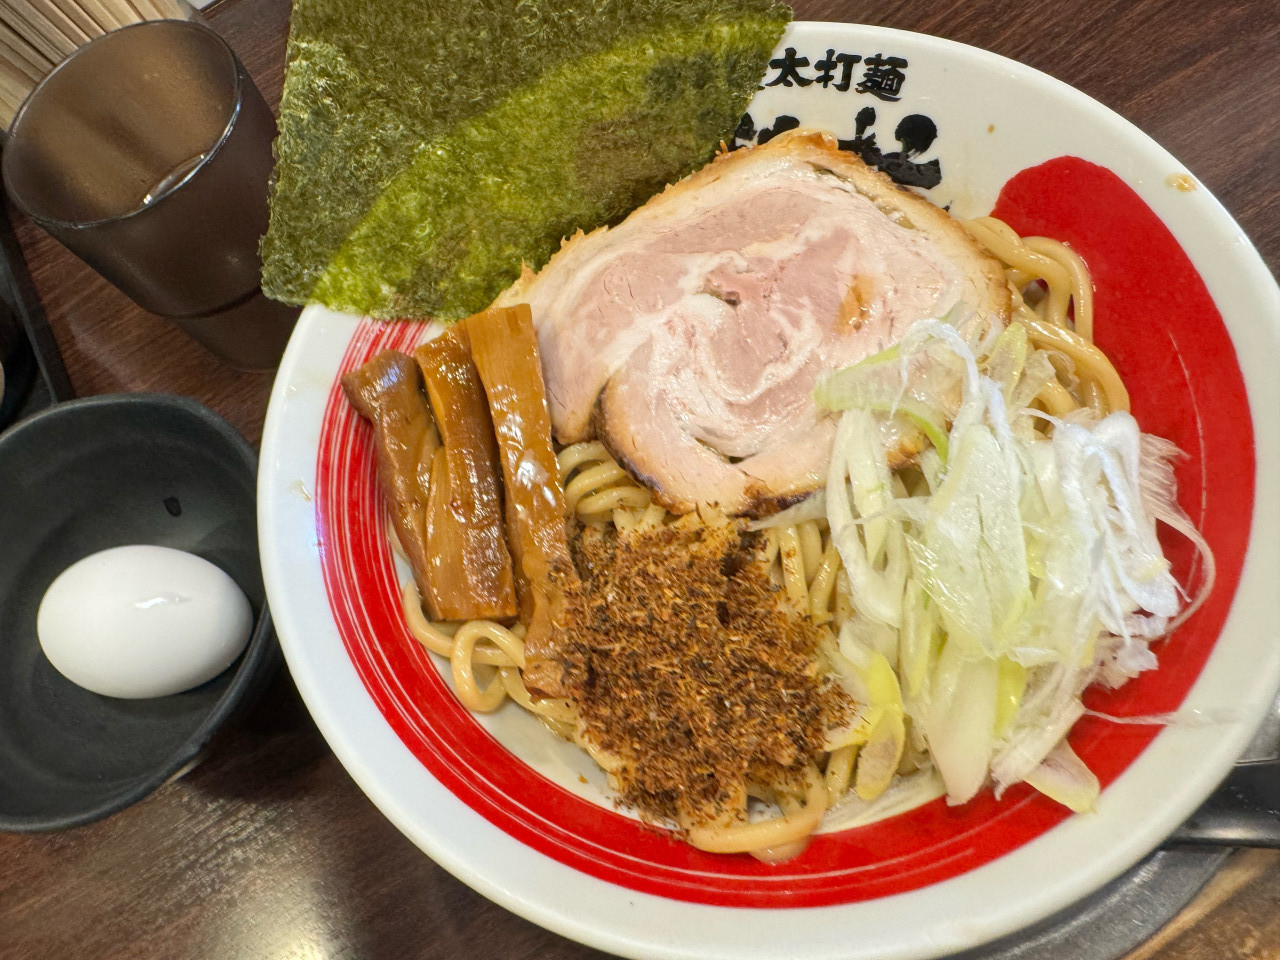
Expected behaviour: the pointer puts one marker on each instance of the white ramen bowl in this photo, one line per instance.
(526, 820)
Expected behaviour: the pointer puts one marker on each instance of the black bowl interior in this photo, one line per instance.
(75, 479)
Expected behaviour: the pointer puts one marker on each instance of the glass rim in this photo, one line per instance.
(12, 134)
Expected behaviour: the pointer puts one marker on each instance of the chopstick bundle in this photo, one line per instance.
(37, 35)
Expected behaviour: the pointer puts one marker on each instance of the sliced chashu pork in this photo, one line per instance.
(689, 337)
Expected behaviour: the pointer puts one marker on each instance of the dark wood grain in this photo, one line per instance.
(267, 849)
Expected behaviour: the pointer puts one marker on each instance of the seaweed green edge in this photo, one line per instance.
(451, 231)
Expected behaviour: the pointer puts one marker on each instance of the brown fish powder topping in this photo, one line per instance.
(687, 669)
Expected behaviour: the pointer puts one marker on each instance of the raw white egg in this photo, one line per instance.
(142, 621)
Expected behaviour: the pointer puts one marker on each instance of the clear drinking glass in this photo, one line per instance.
(147, 153)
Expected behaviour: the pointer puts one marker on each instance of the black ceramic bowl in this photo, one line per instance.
(81, 477)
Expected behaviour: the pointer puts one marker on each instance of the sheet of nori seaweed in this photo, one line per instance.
(429, 147)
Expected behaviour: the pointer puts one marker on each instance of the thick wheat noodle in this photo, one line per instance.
(481, 699)
(1091, 363)
(1054, 396)
(572, 457)
(611, 498)
(1081, 283)
(810, 548)
(844, 603)
(793, 577)
(505, 649)
(1026, 258)
(650, 518)
(731, 834)
(1018, 279)
(558, 714)
(791, 805)
(1009, 248)
(808, 572)
(440, 637)
(823, 585)
(1092, 396)
(1065, 273)
(602, 488)
(598, 476)
(483, 643)
(839, 771)
(431, 635)
(1056, 399)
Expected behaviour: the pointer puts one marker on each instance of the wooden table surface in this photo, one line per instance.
(267, 849)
